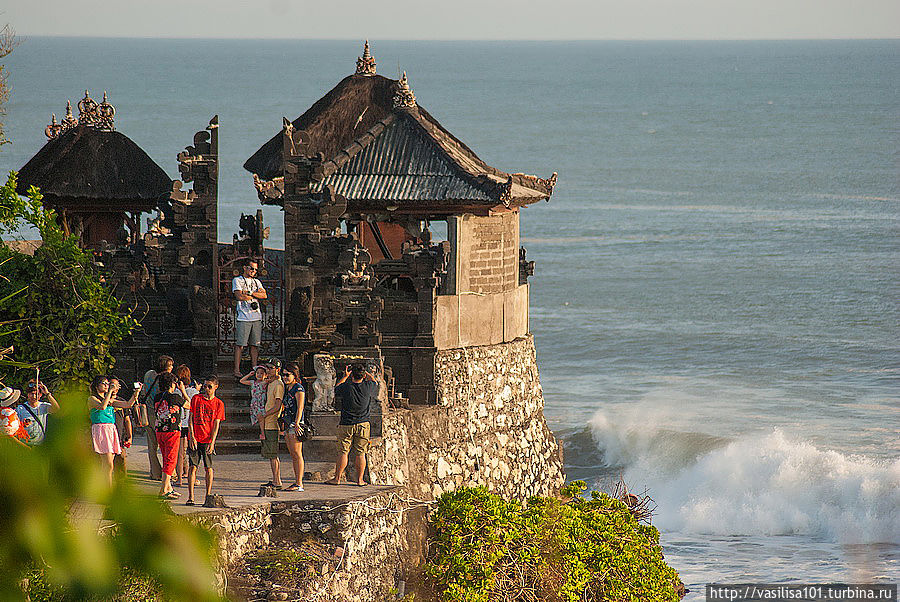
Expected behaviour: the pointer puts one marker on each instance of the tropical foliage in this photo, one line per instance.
(54, 309)
(484, 548)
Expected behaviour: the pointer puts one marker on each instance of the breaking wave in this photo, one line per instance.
(764, 484)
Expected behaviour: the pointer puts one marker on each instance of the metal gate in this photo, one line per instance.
(271, 275)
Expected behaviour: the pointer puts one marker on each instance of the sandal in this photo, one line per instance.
(294, 487)
(189, 503)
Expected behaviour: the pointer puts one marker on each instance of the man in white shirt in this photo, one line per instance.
(248, 331)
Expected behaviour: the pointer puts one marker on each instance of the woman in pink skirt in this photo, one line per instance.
(102, 404)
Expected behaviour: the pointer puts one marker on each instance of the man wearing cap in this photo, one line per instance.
(248, 327)
(39, 402)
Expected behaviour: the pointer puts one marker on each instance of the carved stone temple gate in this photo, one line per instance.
(245, 246)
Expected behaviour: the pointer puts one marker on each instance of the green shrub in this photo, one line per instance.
(133, 586)
(484, 548)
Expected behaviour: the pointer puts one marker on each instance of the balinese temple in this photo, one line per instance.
(103, 186)
(364, 176)
(401, 244)
(97, 179)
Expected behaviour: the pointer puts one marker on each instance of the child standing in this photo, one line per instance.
(257, 382)
(207, 412)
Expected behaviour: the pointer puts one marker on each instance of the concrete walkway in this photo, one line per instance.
(238, 478)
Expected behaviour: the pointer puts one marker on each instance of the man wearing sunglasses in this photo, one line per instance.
(248, 326)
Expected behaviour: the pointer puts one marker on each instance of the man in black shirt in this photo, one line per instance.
(355, 398)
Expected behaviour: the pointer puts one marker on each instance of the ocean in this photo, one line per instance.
(716, 298)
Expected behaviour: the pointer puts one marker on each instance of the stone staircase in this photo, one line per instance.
(238, 436)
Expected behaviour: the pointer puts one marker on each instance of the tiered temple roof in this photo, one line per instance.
(374, 145)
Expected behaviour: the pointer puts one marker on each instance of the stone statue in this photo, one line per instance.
(323, 388)
(204, 306)
(298, 316)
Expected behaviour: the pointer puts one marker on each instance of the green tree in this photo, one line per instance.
(59, 315)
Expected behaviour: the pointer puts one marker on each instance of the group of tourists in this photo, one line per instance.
(179, 416)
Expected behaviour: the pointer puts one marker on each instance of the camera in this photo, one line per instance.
(138, 385)
(254, 305)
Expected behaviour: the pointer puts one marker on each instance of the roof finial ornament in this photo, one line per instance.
(365, 64)
(69, 120)
(403, 94)
(90, 113)
(87, 109)
(53, 130)
(105, 114)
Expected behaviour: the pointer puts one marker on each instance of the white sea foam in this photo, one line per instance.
(765, 484)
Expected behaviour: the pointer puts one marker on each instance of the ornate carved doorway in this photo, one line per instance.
(271, 275)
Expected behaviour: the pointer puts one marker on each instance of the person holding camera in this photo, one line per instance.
(102, 404)
(355, 392)
(248, 328)
(33, 413)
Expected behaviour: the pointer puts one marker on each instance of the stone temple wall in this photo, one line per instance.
(487, 429)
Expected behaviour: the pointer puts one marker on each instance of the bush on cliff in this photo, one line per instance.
(484, 548)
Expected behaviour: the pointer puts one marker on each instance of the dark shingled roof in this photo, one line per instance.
(86, 165)
(375, 154)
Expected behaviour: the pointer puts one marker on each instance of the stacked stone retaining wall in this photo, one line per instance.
(488, 428)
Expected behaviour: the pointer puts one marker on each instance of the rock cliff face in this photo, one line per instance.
(488, 428)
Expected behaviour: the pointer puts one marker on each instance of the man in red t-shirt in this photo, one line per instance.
(207, 411)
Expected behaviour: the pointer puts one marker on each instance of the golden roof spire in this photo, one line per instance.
(69, 120)
(403, 94)
(52, 130)
(365, 64)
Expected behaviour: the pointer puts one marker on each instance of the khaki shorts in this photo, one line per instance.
(248, 333)
(270, 444)
(354, 436)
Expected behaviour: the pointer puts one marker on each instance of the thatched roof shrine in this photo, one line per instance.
(86, 166)
(371, 143)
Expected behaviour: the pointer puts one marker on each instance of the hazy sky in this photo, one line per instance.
(458, 19)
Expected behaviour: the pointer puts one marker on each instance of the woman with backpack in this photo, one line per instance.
(167, 405)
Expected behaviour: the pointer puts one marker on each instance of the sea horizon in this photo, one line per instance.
(715, 300)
